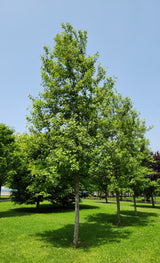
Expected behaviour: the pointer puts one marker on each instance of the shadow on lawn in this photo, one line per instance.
(99, 229)
(91, 235)
(44, 209)
(149, 205)
(127, 218)
(17, 212)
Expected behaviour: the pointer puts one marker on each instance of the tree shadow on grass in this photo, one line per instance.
(127, 218)
(4, 199)
(146, 205)
(99, 229)
(91, 235)
(44, 209)
(17, 212)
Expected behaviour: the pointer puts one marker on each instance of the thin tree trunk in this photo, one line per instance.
(153, 205)
(121, 196)
(106, 195)
(147, 199)
(37, 206)
(76, 226)
(0, 190)
(118, 209)
(135, 207)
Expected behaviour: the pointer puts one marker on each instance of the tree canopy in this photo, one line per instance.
(67, 111)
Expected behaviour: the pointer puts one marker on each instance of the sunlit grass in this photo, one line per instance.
(27, 236)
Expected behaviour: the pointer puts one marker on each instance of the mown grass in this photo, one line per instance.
(27, 236)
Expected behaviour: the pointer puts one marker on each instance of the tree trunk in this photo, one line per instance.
(153, 205)
(37, 206)
(147, 199)
(0, 190)
(106, 195)
(135, 207)
(121, 196)
(118, 209)
(76, 226)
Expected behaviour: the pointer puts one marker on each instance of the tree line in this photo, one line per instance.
(83, 135)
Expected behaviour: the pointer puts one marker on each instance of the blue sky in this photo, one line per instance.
(126, 33)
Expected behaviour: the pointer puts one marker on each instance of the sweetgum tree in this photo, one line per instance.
(139, 171)
(68, 108)
(125, 145)
(118, 159)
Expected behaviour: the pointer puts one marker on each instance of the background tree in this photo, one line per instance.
(7, 147)
(31, 182)
(120, 139)
(155, 165)
(139, 171)
(101, 176)
(21, 178)
(29, 150)
(153, 182)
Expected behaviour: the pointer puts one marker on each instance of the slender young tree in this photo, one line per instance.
(116, 144)
(140, 170)
(120, 137)
(67, 108)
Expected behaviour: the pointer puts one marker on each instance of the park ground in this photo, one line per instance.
(27, 236)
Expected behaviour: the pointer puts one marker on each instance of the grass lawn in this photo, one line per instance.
(27, 236)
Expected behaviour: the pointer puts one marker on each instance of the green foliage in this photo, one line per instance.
(32, 181)
(7, 148)
(121, 151)
(68, 109)
(153, 178)
(22, 176)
